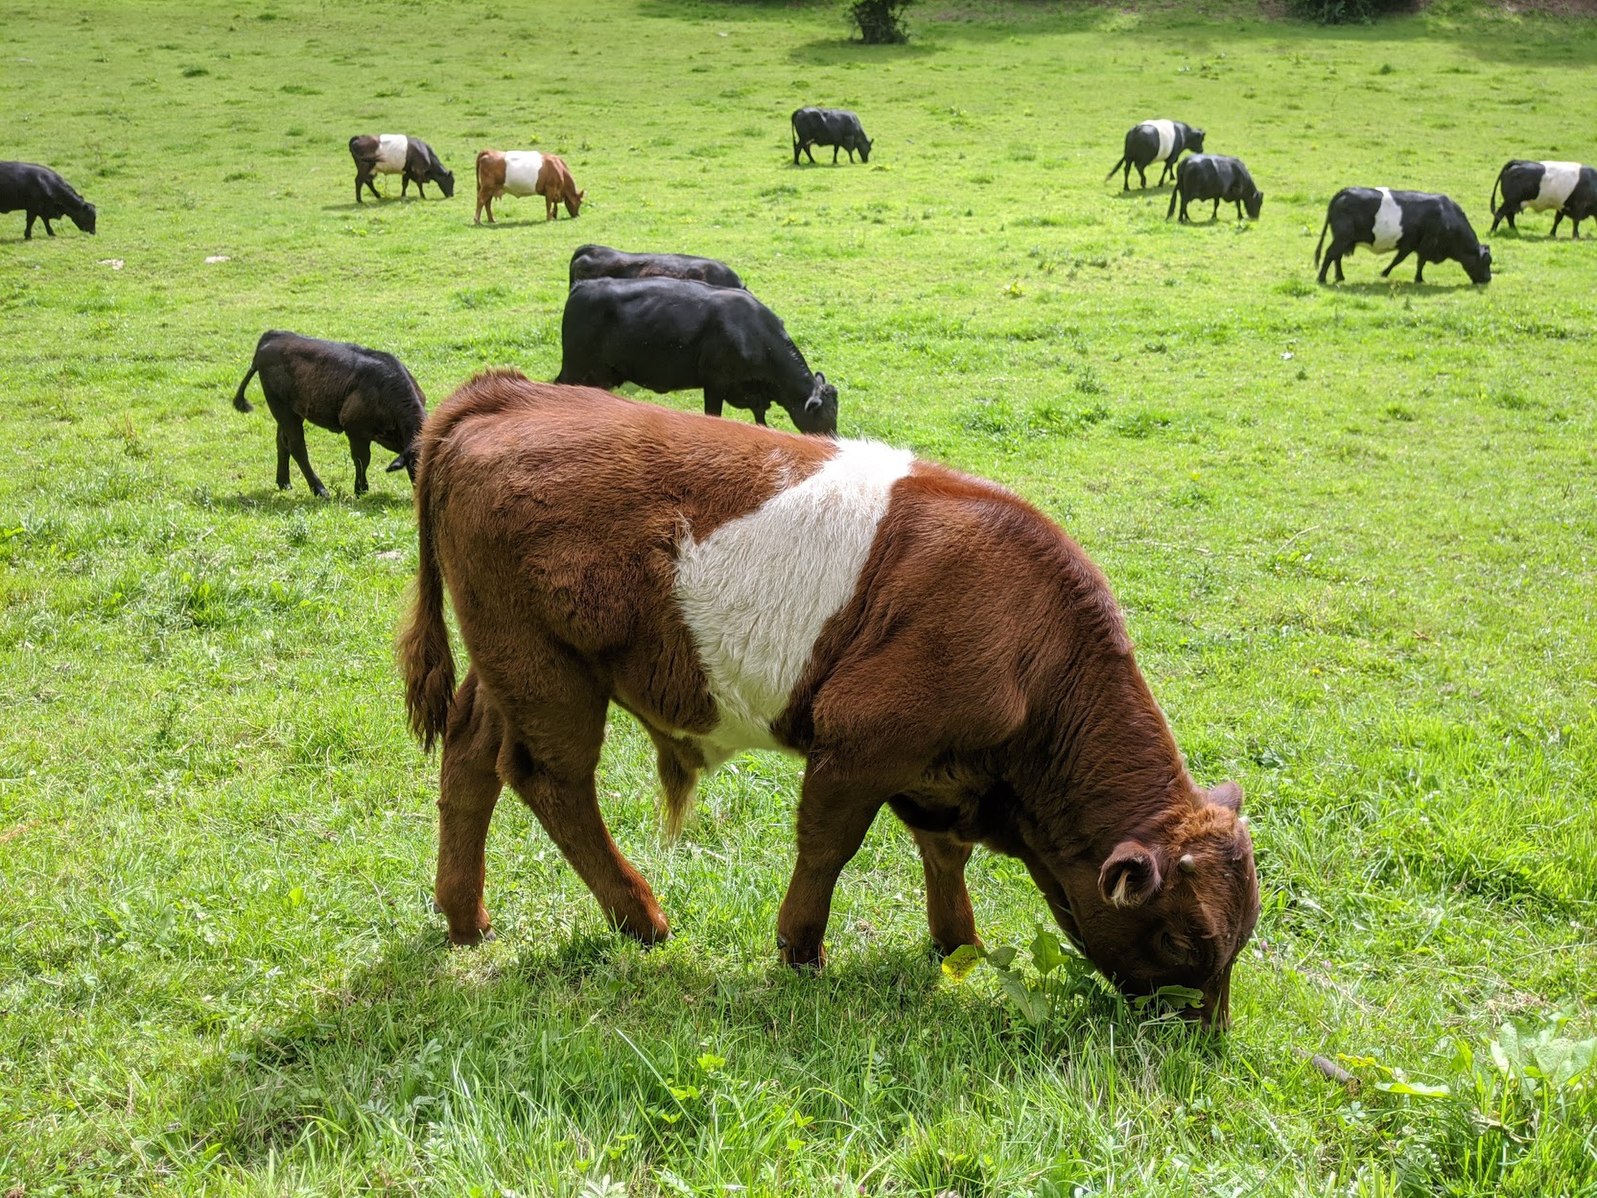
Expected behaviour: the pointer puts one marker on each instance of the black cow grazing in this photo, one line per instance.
(1215, 177)
(410, 158)
(1155, 141)
(363, 393)
(835, 127)
(677, 334)
(602, 262)
(1567, 187)
(1430, 226)
(43, 195)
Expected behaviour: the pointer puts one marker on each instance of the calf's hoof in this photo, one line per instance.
(796, 956)
(651, 929)
(470, 938)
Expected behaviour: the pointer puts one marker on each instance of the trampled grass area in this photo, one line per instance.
(1353, 529)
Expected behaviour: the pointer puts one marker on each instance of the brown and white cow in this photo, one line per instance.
(525, 173)
(926, 640)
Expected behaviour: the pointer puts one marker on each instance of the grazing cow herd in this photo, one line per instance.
(925, 640)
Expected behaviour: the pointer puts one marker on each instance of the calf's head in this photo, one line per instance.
(863, 145)
(818, 413)
(1173, 908)
(84, 217)
(1479, 268)
(1253, 204)
(1195, 140)
(446, 181)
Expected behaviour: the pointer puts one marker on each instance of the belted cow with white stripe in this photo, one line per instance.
(410, 158)
(1155, 141)
(1567, 188)
(1429, 226)
(926, 640)
(525, 173)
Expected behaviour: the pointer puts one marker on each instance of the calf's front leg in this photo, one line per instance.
(361, 451)
(948, 911)
(834, 814)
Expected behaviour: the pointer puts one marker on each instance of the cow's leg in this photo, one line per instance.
(1419, 271)
(834, 813)
(294, 430)
(468, 789)
(27, 231)
(360, 450)
(549, 759)
(759, 415)
(358, 200)
(1142, 176)
(948, 909)
(1574, 227)
(1392, 265)
(1557, 217)
(282, 457)
(713, 401)
(51, 231)
(1214, 213)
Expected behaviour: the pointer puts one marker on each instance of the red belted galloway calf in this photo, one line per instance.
(927, 641)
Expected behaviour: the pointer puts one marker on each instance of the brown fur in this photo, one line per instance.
(980, 682)
(554, 185)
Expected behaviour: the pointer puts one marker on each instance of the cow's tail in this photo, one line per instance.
(1175, 194)
(1114, 168)
(1321, 246)
(423, 645)
(1498, 183)
(239, 402)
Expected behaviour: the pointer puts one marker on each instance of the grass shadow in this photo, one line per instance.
(299, 498)
(587, 1029)
(1401, 287)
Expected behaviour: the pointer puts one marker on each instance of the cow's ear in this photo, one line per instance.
(398, 463)
(1130, 877)
(1227, 795)
(820, 379)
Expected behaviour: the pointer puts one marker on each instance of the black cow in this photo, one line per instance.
(677, 334)
(1430, 226)
(835, 127)
(602, 262)
(363, 393)
(1567, 187)
(410, 158)
(43, 195)
(1215, 177)
(1155, 141)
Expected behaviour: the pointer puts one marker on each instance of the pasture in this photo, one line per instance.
(1354, 530)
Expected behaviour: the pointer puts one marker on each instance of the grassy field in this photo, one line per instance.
(1354, 530)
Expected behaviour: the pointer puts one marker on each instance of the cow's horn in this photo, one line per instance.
(1188, 864)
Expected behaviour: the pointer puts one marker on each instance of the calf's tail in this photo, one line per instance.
(1114, 168)
(1495, 185)
(423, 645)
(1175, 194)
(239, 402)
(1321, 246)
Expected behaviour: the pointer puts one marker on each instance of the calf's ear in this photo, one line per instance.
(1130, 877)
(397, 464)
(1227, 795)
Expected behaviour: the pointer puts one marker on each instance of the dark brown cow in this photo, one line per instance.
(525, 173)
(926, 640)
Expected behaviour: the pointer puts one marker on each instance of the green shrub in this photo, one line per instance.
(880, 22)
(1345, 12)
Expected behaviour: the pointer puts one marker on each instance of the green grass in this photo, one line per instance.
(1354, 531)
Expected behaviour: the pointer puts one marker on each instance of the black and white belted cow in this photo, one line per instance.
(1568, 188)
(395, 154)
(1155, 141)
(1432, 227)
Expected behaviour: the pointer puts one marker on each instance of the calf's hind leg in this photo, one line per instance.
(468, 789)
(549, 754)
